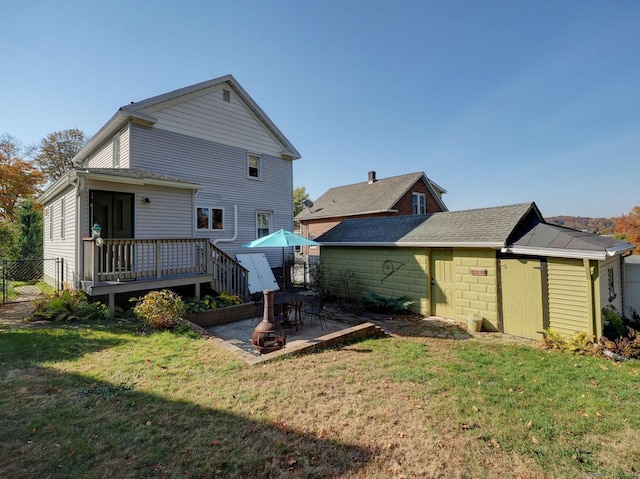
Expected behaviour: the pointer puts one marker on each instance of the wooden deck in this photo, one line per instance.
(113, 266)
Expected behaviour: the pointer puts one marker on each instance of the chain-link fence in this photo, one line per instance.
(24, 280)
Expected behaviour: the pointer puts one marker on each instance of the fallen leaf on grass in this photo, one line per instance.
(530, 424)
(215, 442)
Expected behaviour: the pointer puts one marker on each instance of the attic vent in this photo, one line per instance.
(226, 95)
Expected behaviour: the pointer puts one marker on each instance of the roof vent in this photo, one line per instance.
(372, 177)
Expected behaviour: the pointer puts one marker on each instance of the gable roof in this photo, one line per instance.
(517, 229)
(368, 198)
(136, 112)
(486, 227)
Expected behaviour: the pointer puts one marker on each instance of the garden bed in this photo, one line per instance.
(229, 314)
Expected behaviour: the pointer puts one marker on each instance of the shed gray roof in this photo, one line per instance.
(485, 227)
(547, 239)
(517, 229)
(367, 198)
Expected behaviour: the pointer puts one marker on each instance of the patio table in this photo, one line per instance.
(294, 299)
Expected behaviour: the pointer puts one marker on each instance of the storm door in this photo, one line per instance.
(113, 211)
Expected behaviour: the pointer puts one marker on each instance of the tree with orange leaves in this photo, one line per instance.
(19, 179)
(628, 227)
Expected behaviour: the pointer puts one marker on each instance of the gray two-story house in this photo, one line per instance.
(167, 191)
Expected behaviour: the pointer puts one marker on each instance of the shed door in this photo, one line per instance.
(522, 297)
(443, 283)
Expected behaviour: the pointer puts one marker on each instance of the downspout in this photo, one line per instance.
(235, 229)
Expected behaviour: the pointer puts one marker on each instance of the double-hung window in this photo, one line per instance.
(254, 165)
(263, 223)
(209, 218)
(419, 202)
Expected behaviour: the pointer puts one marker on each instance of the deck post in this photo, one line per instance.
(158, 260)
(112, 304)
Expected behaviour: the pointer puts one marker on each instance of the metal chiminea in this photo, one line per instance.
(268, 335)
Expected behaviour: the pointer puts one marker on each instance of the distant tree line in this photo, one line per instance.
(24, 173)
(603, 226)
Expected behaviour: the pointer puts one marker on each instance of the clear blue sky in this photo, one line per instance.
(499, 102)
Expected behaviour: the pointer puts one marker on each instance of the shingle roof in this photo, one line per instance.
(488, 227)
(135, 173)
(365, 198)
(549, 237)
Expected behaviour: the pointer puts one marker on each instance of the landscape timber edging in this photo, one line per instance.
(214, 317)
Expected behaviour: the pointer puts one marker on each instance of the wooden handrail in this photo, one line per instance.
(127, 259)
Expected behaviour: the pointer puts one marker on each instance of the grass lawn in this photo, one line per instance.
(100, 400)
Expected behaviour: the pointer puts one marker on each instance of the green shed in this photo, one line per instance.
(504, 264)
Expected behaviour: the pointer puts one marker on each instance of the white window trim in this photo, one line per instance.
(210, 218)
(116, 151)
(270, 215)
(259, 157)
(424, 203)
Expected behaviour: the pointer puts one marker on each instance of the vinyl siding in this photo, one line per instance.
(58, 247)
(168, 215)
(222, 170)
(603, 267)
(369, 268)
(208, 117)
(103, 157)
(568, 296)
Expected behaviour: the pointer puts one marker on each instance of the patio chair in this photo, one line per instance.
(316, 310)
(284, 320)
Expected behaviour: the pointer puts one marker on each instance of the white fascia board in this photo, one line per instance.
(558, 253)
(623, 248)
(63, 182)
(110, 128)
(139, 181)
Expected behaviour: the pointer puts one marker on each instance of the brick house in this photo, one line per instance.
(410, 194)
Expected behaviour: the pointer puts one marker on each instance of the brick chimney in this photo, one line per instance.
(372, 177)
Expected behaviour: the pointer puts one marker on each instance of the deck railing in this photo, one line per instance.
(156, 259)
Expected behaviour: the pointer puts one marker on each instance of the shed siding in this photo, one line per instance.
(409, 276)
(615, 301)
(476, 295)
(222, 170)
(568, 296)
(58, 247)
(208, 117)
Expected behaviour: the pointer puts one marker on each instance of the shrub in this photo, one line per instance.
(613, 325)
(160, 310)
(69, 305)
(553, 341)
(378, 303)
(200, 305)
(320, 277)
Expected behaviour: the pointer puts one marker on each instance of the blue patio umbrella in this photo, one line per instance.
(280, 239)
